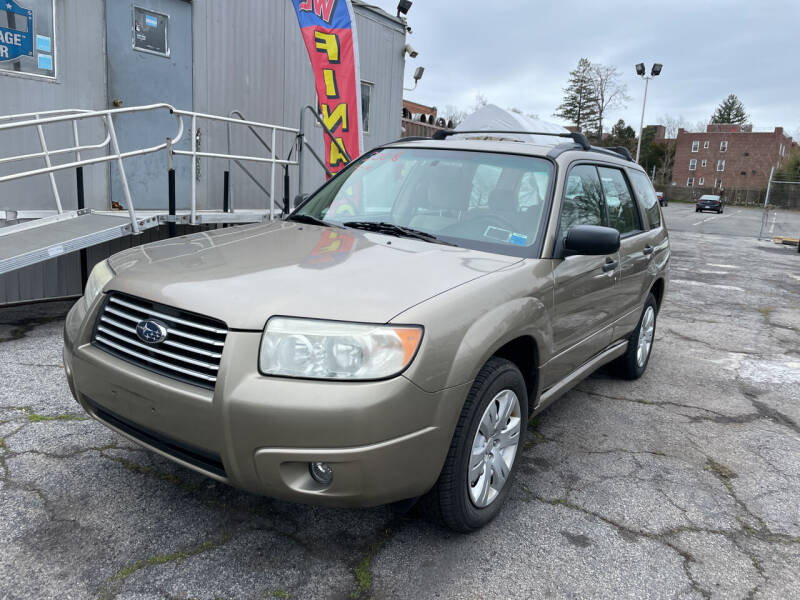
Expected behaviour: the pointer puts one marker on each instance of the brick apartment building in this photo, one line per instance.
(727, 156)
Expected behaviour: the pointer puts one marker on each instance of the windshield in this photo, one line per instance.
(479, 200)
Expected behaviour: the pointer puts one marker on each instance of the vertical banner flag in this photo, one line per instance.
(329, 31)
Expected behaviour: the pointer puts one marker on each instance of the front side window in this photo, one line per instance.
(693, 164)
(471, 199)
(27, 38)
(695, 145)
(583, 199)
(647, 196)
(720, 165)
(622, 212)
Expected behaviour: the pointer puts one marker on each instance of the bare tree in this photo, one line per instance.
(454, 114)
(479, 102)
(671, 126)
(609, 92)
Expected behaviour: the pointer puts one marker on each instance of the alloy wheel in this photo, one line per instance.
(494, 448)
(646, 331)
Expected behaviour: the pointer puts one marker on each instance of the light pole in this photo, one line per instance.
(654, 72)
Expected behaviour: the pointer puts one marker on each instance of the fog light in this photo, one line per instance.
(321, 472)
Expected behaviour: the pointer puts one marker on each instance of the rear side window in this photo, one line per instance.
(622, 212)
(647, 196)
(583, 199)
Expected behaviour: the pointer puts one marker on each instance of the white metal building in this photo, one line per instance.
(208, 57)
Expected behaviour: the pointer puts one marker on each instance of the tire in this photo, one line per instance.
(719, 212)
(629, 365)
(696, 210)
(452, 500)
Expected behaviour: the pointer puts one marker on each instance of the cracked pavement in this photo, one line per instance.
(683, 484)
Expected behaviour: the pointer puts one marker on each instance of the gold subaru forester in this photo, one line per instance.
(391, 337)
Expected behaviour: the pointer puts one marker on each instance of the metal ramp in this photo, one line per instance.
(42, 239)
(63, 231)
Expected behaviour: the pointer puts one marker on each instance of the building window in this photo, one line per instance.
(723, 146)
(701, 181)
(705, 145)
(704, 163)
(695, 145)
(693, 164)
(27, 38)
(690, 182)
(366, 96)
(720, 165)
(717, 183)
(783, 149)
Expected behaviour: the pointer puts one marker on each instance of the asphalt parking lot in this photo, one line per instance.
(684, 484)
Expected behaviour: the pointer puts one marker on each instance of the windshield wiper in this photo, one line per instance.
(310, 220)
(397, 230)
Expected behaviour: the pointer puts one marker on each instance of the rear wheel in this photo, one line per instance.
(633, 363)
(482, 460)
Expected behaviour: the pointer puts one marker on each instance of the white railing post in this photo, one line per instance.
(193, 171)
(126, 191)
(272, 180)
(48, 164)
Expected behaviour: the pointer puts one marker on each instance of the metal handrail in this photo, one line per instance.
(194, 153)
(73, 116)
(253, 178)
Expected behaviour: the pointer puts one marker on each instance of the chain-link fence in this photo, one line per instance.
(781, 218)
(732, 196)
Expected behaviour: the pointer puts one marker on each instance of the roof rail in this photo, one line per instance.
(578, 138)
(622, 151)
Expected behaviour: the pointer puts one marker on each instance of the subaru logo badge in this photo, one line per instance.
(151, 331)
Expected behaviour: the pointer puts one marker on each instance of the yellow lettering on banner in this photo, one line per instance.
(333, 119)
(329, 77)
(327, 43)
(336, 158)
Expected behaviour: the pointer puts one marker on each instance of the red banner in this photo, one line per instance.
(329, 31)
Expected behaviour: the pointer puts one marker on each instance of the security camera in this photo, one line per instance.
(411, 52)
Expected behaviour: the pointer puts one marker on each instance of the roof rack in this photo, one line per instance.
(578, 138)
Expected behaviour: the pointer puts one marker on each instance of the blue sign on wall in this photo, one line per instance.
(16, 39)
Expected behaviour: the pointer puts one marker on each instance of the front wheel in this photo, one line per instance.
(482, 460)
(633, 363)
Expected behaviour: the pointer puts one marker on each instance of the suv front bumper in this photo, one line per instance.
(384, 440)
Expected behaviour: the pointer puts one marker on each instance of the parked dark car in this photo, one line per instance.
(661, 199)
(709, 202)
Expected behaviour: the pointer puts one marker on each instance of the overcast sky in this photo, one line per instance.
(519, 53)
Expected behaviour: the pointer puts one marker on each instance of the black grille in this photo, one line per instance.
(194, 456)
(191, 351)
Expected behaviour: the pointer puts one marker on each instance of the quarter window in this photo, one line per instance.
(720, 165)
(647, 196)
(723, 146)
(583, 200)
(695, 145)
(693, 164)
(622, 212)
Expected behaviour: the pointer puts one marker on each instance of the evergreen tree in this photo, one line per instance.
(579, 105)
(730, 110)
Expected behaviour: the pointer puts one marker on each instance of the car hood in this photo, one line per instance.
(244, 275)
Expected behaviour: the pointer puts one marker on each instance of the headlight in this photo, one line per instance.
(336, 350)
(99, 277)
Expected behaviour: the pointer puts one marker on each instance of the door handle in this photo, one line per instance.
(647, 250)
(610, 265)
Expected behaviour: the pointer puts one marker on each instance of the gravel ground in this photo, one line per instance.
(685, 483)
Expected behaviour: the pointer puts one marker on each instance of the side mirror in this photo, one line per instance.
(299, 199)
(591, 240)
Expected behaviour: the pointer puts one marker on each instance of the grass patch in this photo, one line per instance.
(35, 418)
(362, 570)
(279, 594)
